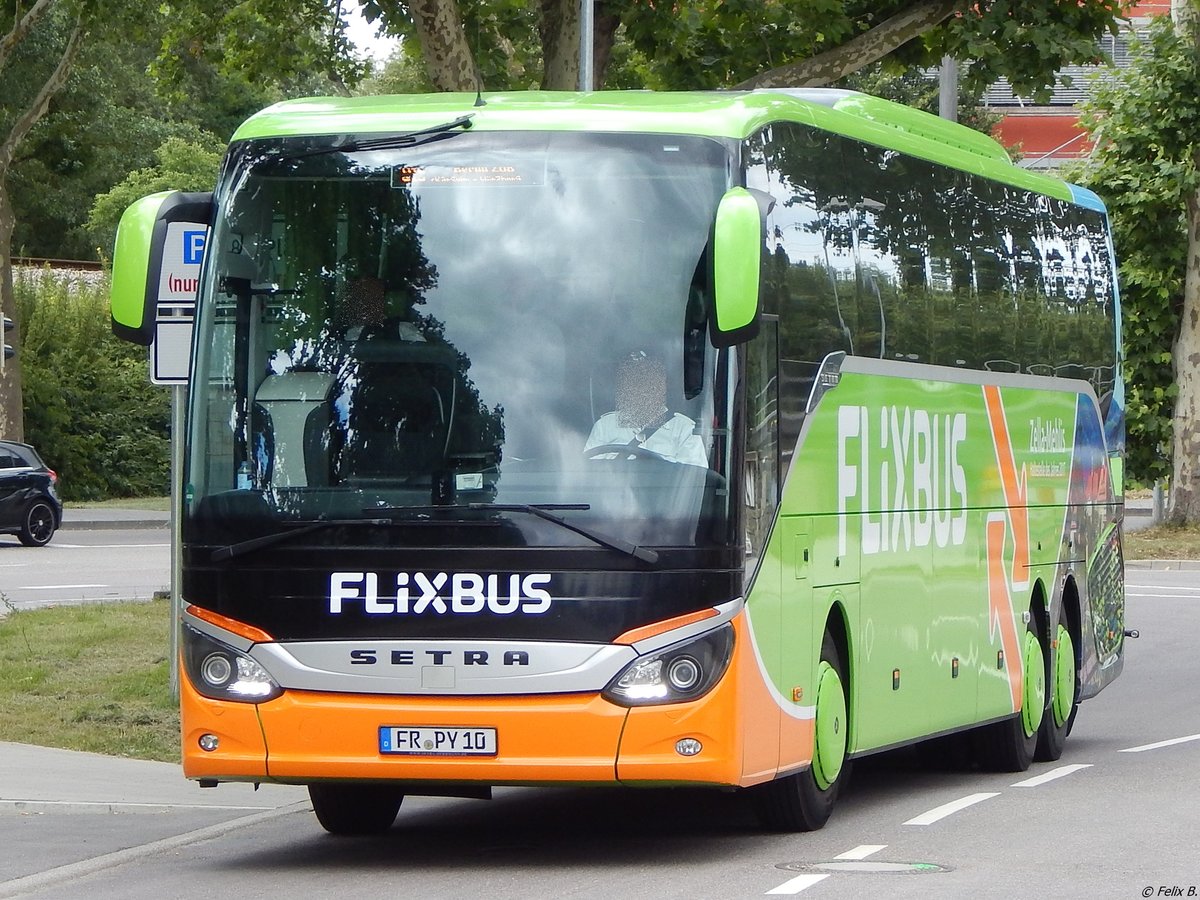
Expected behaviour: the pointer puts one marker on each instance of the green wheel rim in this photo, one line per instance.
(1064, 678)
(1034, 700)
(830, 750)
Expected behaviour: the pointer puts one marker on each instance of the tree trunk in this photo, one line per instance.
(868, 47)
(448, 58)
(558, 28)
(1185, 455)
(12, 418)
(604, 35)
(12, 415)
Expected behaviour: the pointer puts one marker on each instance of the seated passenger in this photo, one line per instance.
(642, 419)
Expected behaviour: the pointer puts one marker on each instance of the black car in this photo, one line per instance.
(29, 504)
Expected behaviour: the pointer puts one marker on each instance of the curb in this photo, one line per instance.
(72, 524)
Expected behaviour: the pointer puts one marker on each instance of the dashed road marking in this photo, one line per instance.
(1060, 772)
(1160, 744)
(948, 809)
(799, 883)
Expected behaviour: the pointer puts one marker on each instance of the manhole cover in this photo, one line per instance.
(867, 867)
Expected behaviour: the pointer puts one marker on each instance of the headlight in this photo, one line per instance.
(217, 670)
(679, 673)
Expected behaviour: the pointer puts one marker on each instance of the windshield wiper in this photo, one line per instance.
(279, 537)
(390, 142)
(542, 511)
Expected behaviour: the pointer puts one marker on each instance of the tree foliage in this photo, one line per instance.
(89, 406)
(181, 165)
(696, 44)
(1145, 122)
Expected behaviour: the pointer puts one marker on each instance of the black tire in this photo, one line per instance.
(38, 525)
(1060, 713)
(799, 802)
(355, 809)
(1009, 746)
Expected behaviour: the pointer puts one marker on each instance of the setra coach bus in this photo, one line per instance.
(633, 439)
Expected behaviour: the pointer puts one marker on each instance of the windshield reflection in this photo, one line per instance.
(454, 324)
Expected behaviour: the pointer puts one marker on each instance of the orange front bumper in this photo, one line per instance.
(306, 736)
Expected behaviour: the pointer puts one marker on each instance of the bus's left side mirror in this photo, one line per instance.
(737, 243)
(157, 234)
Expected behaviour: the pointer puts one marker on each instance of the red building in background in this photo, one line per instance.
(1049, 135)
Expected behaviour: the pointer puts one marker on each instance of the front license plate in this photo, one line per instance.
(428, 740)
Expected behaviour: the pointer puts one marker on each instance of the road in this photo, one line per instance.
(80, 566)
(1117, 816)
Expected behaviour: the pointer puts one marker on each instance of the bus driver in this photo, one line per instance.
(642, 421)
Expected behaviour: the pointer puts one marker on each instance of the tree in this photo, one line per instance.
(690, 44)
(213, 65)
(1146, 126)
(20, 112)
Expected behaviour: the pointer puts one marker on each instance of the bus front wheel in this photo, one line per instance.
(804, 801)
(355, 808)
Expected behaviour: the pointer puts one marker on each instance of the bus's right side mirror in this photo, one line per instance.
(737, 243)
(170, 227)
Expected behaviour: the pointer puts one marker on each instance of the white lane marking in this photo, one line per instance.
(799, 883)
(1060, 772)
(1159, 744)
(106, 546)
(947, 809)
(1188, 595)
(58, 587)
(862, 851)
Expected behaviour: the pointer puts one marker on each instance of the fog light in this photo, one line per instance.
(688, 746)
(209, 742)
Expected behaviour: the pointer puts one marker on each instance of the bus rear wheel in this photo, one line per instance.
(351, 809)
(1009, 746)
(1064, 695)
(804, 801)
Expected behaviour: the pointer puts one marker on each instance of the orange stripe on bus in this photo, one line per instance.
(241, 629)
(656, 628)
(1015, 498)
(1001, 610)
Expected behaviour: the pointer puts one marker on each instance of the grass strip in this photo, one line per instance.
(93, 677)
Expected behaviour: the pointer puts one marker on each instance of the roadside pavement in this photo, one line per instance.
(65, 815)
(44, 779)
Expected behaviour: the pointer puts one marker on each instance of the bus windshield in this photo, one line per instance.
(481, 321)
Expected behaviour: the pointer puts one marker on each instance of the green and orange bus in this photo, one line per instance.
(633, 438)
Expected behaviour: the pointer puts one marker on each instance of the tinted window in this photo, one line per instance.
(884, 255)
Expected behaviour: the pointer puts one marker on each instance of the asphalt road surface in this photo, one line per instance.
(1118, 816)
(83, 566)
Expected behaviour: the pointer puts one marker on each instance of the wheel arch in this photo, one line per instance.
(1039, 607)
(837, 624)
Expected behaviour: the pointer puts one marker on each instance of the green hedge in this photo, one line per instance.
(89, 406)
